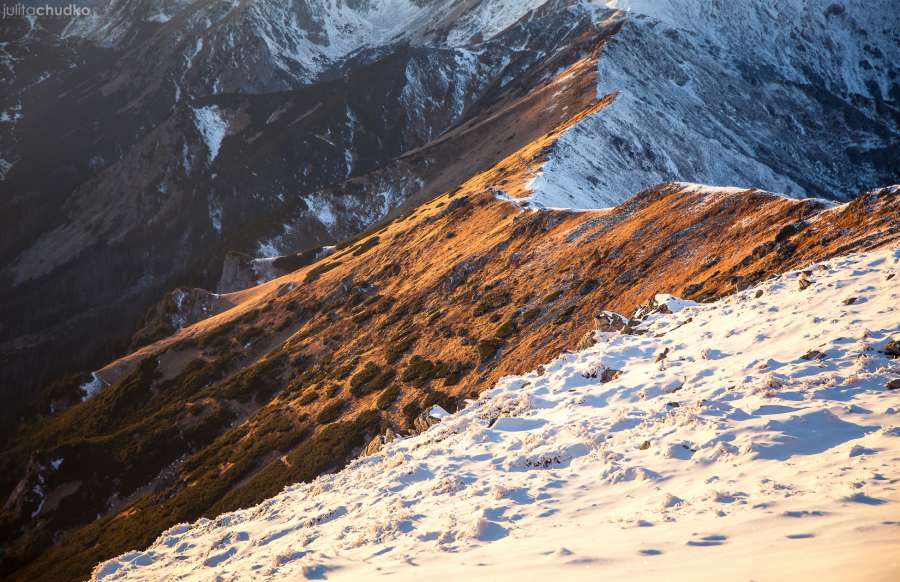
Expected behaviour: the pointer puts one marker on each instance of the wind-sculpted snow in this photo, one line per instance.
(792, 98)
(756, 434)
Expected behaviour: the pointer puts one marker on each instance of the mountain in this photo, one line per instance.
(800, 98)
(262, 239)
(432, 308)
(144, 182)
(196, 130)
(709, 435)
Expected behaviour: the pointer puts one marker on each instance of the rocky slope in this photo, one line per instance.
(431, 308)
(764, 424)
(801, 98)
(133, 188)
(269, 128)
(454, 165)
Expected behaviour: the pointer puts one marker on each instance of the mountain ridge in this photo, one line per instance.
(255, 287)
(507, 318)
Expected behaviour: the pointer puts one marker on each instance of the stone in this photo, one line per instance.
(586, 341)
(893, 349)
(424, 421)
(610, 321)
(609, 375)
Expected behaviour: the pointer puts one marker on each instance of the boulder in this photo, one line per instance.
(424, 421)
(378, 443)
(586, 341)
(609, 375)
(610, 321)
(893, 348)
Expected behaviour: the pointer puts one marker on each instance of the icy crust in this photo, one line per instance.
(745, 94)
(758, 425)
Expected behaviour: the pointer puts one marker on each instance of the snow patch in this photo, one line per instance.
(5, 167)
(322, 209)
(93, 386)
(212, 126)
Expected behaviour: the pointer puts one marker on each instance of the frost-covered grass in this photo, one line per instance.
(732, 456)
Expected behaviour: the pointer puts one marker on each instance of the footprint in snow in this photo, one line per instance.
(707, 541)
(315, 571)
(800, 536)
(864, 499)
(859, 451)
(650, 552)
(805, 513)
(217, 559)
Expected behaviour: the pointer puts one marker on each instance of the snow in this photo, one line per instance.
(159, 18)
(186, 159)
(215, 214)
(38, 491)
(5, 167)
(731, 93)
(490, 18)
(730, 457)
(322, 209)
(212, 126)
(438, 412)
(267, 250)
(93, 386)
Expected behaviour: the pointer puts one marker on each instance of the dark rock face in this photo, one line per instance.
(189, 130)
(156, 169)
(178, 309)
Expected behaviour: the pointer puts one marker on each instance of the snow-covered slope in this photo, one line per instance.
(758, 435)
(798, 97)
(269, 45)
